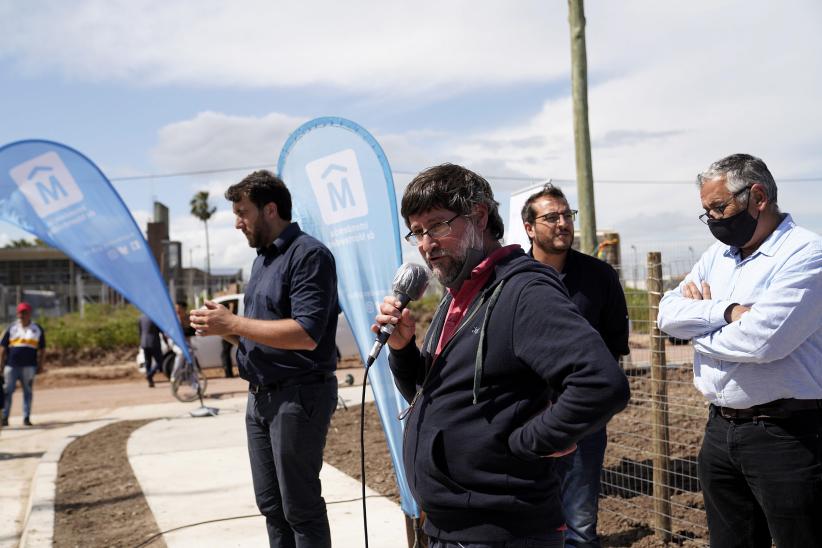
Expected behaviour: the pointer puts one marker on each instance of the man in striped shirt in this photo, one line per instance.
(21, 352)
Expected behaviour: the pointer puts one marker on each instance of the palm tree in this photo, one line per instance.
(201, 209)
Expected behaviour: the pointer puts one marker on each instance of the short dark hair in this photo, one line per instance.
(451, 187)
(547, 190)
(182, 303)
(262, 187)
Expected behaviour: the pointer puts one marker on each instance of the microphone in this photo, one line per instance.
(409, 284)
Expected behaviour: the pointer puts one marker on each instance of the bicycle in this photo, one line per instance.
(188, 382)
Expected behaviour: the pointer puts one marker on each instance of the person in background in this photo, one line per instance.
(225, 353)
(21, 350)
(152, 347)
(752, 305)
(594, 288)
(481, 437)
(287, 354)
(181, 308)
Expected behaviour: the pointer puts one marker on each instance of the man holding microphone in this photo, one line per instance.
(481, 435)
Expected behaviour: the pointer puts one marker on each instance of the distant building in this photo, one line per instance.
(53, 283)
(185, 283)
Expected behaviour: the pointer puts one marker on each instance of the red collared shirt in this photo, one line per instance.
(469, 289)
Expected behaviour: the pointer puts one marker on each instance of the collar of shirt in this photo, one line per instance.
(281, 242)
(771, 244)
(469, 289)
(570, 261)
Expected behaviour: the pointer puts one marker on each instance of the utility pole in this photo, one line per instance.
(582, 137)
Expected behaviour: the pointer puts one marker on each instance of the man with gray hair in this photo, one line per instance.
(481, 437)
(753, 306)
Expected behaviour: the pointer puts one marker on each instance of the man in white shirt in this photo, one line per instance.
(753, 306)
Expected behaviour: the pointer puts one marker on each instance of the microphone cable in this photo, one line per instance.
(362, 449)
(409, 284)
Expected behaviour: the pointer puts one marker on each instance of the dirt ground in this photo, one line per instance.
(342, 449)
(98, 500)
(626, 511)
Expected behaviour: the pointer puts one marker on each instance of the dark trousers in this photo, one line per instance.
(579, 474)
(554, 540)
(153, 360)
(225, 358)
(762, 479)
(286, 431)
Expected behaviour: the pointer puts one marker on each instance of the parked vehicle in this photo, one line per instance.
(208, 350)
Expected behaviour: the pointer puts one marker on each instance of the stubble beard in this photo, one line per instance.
(552, 245)
(448, 272)
(256, 238)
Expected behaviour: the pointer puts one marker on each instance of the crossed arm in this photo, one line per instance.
(786, 313)
(732, 313)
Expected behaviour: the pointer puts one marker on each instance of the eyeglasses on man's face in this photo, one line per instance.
(437, 230)
(553, 218)
(717, 212)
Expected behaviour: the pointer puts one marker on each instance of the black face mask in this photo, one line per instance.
(736, 230)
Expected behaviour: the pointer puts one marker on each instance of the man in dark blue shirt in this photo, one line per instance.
(595, 289)
(287, 354)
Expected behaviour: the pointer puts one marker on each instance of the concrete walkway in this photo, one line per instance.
(194, 474)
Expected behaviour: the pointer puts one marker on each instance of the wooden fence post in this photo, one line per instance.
(659, 404)
(413, 532)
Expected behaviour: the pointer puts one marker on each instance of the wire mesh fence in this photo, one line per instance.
(649, 477)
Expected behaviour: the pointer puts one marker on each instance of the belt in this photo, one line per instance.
(777, 409)
(302, 380)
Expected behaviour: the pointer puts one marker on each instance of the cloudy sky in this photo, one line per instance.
(152, 88)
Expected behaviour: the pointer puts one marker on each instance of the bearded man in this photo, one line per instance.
(288, 355)
(595, 289)
(481, 435)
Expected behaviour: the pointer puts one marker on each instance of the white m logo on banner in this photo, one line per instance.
(46, 183)
(337, 184)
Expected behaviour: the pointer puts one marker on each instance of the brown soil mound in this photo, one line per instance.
(626, 511)
(72, 357)
(98, 500)
(342, 449)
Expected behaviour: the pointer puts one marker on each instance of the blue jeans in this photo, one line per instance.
(554, 540)
(26, 377)
(286, 431)
(579, 473)
(762, 480)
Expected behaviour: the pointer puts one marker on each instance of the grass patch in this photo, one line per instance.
(104, 326)
(637, 300)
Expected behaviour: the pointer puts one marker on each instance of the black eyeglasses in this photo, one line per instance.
(553, 218)
(720, 209)
(437, 230)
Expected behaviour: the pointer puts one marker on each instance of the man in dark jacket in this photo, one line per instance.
(594, 288)
(481, 431)
(152, 347)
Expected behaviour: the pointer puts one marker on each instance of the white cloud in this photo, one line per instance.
(400, 49)
(215, 140)
(687, 91)
(361, 45)
(672, 87)
(229, 248)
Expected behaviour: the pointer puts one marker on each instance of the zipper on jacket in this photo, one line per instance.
(478, 302)
(407, 411)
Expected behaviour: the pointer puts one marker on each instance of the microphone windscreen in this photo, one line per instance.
(411, 279)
